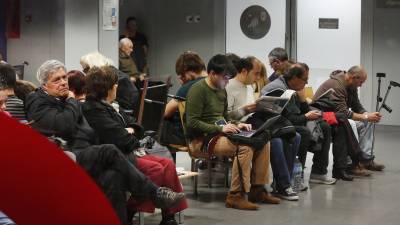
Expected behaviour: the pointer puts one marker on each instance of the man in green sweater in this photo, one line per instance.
(206, 111)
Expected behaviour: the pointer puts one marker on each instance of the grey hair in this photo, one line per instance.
(48, 68)
(278, 53)
(355, 70)
(124, 41)
(95, 59)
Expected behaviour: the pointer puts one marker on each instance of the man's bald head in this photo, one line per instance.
(356, 76)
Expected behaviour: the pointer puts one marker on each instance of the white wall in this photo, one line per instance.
(108, 39)
(41, 39)
(81, 30)
(325, 50)
(84, 32)
(164, 24)
(63, 30)
(386, 55)
(240, 44)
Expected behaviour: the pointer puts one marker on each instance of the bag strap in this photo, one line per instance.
(210, 149)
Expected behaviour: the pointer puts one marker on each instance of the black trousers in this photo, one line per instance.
(320, 158)
(115, 175)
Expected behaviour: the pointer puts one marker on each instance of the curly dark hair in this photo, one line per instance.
(99, 81)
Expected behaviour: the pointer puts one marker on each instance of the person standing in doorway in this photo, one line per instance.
(139, 40)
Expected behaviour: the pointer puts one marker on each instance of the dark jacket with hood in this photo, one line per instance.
(344, 98)
(59, 117)
(109, 125)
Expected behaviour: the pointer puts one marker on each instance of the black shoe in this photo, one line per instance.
(342, 175)
(364, 157)
(166, 198)
(169, 222)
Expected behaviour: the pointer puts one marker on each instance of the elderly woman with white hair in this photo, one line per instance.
(56, 113)
(127, 93)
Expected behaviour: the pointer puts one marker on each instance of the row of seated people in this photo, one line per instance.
(217, 93)
(222, 91)
(110, 154)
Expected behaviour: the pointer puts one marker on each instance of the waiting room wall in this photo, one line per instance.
(41, 39)
(63, 30)
(164, 23)
(240, 44)
(325, 50)
(381, 53)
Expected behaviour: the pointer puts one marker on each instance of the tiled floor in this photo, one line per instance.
(367, 201)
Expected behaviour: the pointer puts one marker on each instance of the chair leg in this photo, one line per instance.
(141, 218)
(181, 217)
(226, 173)
(209, 162)
(173, 154)
(195, 168)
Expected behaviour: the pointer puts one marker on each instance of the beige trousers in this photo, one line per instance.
(254, 164)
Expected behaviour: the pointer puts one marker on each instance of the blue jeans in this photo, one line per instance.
(282, 157)
(4, 220)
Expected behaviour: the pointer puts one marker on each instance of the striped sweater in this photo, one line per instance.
(15, 107)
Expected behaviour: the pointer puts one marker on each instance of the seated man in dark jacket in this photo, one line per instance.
(101, 85)
(298, 113)
(54, 112)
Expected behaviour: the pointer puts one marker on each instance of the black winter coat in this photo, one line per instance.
(59, 117)
(109, 125)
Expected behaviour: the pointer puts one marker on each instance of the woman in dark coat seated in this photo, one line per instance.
(109, 124)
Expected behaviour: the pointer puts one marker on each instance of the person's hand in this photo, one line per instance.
(313, 115)
(142, 76)
(71, 94)
(130, 130)
(244, 126)
(250, 108)
(302, 95)
(374, 117)
(230, 128)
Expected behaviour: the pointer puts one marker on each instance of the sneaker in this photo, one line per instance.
(321, 179)
(288, 194)
(302, 186)
(166, 198)
(169, 222)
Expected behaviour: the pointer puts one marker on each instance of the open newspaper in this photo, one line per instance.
(276, 103)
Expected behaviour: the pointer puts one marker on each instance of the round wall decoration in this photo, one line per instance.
(255, 22)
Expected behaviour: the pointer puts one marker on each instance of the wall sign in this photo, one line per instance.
(328, 23)
(255, 22)
(110, 15)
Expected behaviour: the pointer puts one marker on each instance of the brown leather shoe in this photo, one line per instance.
(238, 201)
(259, 194)
(373, 166)
(359, 171)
